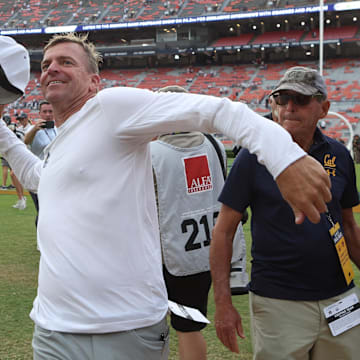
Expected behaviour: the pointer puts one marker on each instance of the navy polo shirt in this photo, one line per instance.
(293, 262)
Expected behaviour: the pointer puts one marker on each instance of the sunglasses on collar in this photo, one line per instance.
(297, 99)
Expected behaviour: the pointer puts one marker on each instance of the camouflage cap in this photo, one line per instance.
(303, 80)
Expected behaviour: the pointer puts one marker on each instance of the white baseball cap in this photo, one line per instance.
(14, 70)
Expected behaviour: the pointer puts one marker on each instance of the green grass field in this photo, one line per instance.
(18, 274)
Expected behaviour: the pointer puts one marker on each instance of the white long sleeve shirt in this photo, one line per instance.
(100, 265)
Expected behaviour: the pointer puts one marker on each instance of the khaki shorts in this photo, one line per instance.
(148, 343)
(297, 330)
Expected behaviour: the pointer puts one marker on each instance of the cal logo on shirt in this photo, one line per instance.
(197, 174)
(329, 164)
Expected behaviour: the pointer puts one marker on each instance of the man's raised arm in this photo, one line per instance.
(302, 181)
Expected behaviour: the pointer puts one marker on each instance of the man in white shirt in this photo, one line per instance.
(101, 289)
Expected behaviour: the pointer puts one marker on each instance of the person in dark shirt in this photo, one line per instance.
(296, 269)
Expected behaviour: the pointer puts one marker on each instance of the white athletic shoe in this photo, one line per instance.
(16, 206)
(21, 204)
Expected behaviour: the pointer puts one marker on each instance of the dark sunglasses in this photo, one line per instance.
(297, 99)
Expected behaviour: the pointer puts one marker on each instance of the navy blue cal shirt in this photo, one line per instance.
(293, 262)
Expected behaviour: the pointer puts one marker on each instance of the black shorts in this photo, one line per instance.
(191, 290)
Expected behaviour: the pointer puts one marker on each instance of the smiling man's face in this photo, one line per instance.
(66, 76)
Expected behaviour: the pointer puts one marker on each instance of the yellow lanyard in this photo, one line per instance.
(341, 249)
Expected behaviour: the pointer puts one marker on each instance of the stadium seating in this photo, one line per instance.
(242, 39)
(8, 9)
(120, 10)
(89, 14)
(278, 37)
(248, 83)
(35, 13)
(152, 11)
(244, 5)
(200, 7)
(297, 3)
(343, 86)
(344, 32)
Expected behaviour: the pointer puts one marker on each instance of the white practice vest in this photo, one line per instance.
(189, 181)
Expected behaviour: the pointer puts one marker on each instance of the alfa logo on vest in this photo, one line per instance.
(197, 174)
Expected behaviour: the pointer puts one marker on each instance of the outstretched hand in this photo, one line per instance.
(305, 185)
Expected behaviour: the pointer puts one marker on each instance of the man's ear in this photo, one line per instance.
(95, 83)
(325, 106)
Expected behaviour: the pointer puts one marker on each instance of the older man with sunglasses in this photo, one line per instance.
(303, 301)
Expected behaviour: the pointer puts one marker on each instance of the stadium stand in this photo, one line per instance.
(90, 14)
(121, 10)
(278, 37)
(8, 9)
(242, 39)
(293, 3)
(244, 5)
(344, 32)
(35, 13)
(200, 7)
(251, 84)
(154, 10)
